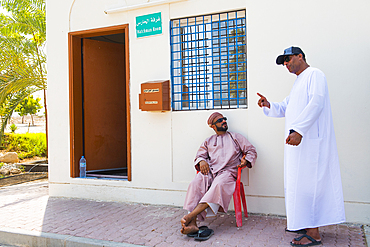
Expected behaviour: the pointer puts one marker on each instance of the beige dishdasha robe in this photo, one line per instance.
(223, 153)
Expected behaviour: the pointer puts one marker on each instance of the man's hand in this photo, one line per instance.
(204, 167)
(245, 163)
(262, 102)
(294, 139)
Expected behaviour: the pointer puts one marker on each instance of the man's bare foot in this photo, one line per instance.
(188, 225)
(189, 221)
(186, 220)
(189, 229)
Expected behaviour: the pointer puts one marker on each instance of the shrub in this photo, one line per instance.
(13, 128)
(1, 175)
(26, 145)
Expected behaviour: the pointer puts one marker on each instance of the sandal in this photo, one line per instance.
(313, 241)
(195, 234)
(204, 235)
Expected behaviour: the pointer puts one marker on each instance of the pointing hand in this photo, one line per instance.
(262, 102)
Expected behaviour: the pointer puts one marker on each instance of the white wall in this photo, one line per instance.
(335, 38)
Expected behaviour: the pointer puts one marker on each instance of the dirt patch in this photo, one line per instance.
(27, 166)
(22, 178)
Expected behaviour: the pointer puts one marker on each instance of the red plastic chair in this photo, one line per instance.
(239, 193)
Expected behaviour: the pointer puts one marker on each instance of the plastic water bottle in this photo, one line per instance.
(82, 167)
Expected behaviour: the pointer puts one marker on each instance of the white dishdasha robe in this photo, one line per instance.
(312, 181)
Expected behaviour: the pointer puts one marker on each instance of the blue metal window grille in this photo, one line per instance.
(209, 62)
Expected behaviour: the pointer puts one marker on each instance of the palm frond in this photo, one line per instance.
(22, 59)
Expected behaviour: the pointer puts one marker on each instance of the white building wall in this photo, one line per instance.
(333, 34)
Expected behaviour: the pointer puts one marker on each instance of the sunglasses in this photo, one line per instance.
(287, 58)
(220, 120)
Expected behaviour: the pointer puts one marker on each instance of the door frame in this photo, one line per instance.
(75, 92)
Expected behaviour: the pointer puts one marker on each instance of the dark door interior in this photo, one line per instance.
(104, 106)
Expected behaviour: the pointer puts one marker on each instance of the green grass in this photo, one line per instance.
(26, 145)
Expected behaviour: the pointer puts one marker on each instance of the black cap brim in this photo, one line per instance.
(280, 59)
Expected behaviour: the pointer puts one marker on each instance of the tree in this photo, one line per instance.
(22, 57)
(28, 106)
(238, 65)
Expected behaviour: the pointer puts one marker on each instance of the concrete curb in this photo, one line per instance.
(367, 234)
(18, 237)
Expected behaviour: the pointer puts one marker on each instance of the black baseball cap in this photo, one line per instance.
(289, 51)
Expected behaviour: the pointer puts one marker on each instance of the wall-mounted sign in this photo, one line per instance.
(147, 25)
(156, 90)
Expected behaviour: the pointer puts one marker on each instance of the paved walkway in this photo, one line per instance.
(27, 212)
(27, 127)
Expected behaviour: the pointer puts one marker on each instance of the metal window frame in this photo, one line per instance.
(209, 62)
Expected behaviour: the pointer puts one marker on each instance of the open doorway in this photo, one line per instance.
(99, 102)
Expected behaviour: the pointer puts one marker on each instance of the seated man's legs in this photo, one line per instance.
(221, 191)
(196, 190)
(198, 198)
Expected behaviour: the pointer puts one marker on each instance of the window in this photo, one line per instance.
(208, 62)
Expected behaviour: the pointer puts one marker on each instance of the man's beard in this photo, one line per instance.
(221, 128)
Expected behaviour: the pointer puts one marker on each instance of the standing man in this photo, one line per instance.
(217, 161)
(312, 182)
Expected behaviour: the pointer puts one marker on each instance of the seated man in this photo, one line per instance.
(217, 159)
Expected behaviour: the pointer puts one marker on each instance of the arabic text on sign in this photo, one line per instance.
(155, 90)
